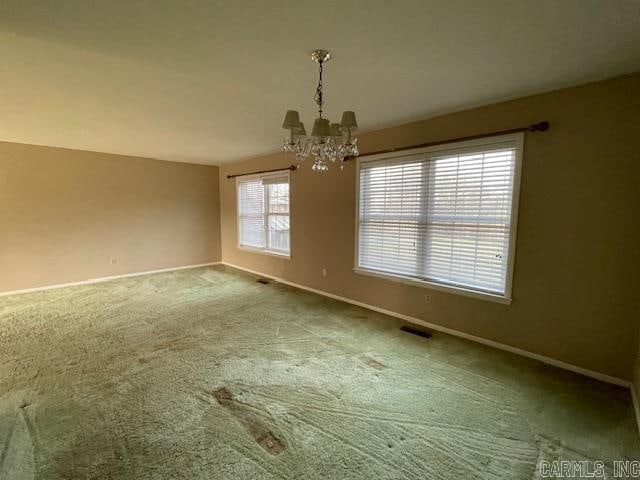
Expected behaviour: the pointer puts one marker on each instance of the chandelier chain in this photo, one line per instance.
(318, 95)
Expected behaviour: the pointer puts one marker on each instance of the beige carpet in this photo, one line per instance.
(207, 374)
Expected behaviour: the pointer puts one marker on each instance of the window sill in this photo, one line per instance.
(436, 286)
(263, 251)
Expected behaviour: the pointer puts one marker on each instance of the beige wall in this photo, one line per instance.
(64, 214)
(576, 269)
(636, 367)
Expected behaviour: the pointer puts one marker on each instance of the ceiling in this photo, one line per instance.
(209, 81)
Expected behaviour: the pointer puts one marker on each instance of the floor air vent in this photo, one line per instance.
(415, 331)
(263, 281)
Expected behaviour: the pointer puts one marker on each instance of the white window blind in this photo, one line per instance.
(441, 216)
(263, 213)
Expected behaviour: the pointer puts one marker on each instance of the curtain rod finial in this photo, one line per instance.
(539, 127)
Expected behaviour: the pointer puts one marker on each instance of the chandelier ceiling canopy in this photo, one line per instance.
(328, 142)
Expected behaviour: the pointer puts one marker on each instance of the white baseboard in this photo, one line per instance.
(104, 279)
(500, 346)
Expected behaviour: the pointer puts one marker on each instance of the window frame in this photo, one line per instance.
(453, 148)
(266, 250)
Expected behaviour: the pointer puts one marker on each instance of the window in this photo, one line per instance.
(442, 216)
(263, 213)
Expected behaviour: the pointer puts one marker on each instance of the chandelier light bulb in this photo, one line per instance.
(328, 142)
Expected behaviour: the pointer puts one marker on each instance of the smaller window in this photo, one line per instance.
(263, 213)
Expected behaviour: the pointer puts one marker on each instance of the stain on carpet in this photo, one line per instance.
(223, 396)
(373, 363)
(270, 443)
(262, 435)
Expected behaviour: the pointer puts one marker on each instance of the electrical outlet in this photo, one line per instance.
(324, 272)
(427, 298)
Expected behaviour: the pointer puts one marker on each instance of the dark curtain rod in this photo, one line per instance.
(290, 167)
(536, 127)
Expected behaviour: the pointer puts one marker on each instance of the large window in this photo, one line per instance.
(263, 213)
(442, 216)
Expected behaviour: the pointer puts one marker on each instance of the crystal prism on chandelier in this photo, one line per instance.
(328, 142)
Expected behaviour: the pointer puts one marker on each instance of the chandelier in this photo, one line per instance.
(329, 142)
